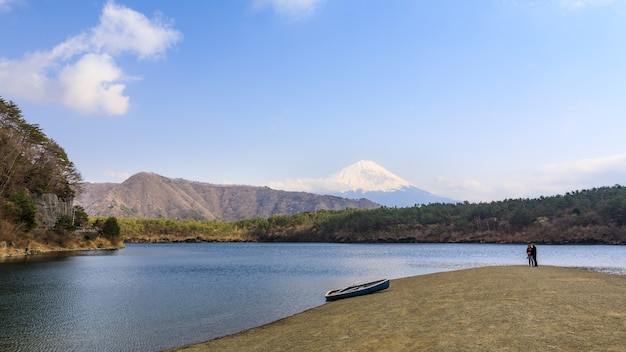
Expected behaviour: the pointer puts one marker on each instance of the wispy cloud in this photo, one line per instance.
(82, 72)
(579, 4)
(312, 185)
(117, 175)
(5, 5)
(294, 9)
(546, 180)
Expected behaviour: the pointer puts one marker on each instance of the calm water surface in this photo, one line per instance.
(160, 296)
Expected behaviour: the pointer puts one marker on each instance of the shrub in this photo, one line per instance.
(20, 209)
(110, 227)
(64, 223)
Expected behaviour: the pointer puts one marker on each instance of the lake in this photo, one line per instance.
(151, 297)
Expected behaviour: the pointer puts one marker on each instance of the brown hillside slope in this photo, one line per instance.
(148, 195)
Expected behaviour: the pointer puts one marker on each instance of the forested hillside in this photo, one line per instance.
(589, 216)
(33, 169)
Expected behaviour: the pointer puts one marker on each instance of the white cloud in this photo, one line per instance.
(468, 189)
(308, 185)
(89, 85)
(546, 180)
(5, 5)
(117, 175)
(81, 72)
(122, 29)
(26, 78)
(584, 172)
(295, 9)
(578, 4)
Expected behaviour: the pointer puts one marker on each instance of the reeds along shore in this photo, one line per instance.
(508, 308)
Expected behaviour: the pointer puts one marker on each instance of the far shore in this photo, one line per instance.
(500, 308)
(36, 249)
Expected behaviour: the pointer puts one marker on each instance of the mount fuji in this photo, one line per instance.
(367, 179)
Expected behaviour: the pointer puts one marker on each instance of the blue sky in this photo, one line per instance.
(472, 100)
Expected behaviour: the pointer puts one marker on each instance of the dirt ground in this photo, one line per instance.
(510, 308)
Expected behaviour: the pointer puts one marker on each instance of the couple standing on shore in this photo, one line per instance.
(531, 252)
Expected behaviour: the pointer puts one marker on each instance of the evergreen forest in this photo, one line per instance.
(590, 216)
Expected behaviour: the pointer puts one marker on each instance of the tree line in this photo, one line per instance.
(596, 215)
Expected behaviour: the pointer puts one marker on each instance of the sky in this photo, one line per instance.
(471, 100)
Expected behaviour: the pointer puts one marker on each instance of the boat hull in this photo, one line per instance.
(357, 290)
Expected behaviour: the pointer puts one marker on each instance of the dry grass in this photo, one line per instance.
(514, 308)
(42, 241)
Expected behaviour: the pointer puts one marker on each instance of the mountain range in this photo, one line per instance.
(148, 195)
(363, 185)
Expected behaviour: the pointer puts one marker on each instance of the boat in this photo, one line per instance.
(357, 290)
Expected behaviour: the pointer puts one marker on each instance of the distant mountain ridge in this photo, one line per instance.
(148, 195)
(367, 179)
(404, 197)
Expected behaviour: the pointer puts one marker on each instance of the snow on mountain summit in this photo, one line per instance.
(367, 176)
(365, 179)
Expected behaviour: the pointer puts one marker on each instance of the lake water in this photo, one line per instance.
(158, 296)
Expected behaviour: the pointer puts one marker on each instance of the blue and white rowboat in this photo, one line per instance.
(357, 290)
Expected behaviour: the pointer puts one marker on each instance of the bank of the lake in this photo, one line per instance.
(34, 248)
(503, 308)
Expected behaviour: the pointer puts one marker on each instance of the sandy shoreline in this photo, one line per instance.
(510, 308)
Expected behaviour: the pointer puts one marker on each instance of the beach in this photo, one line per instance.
(500, 308)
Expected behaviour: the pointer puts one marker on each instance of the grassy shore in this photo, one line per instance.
(31, 247)
(511, 308)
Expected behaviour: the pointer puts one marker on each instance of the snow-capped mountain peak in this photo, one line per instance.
(365, 179)
(367, 176)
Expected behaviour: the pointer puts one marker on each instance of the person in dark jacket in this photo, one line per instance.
(533, 252)
(529, 255)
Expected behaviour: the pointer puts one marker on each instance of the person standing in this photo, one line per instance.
(529, 255)
(533, 253)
